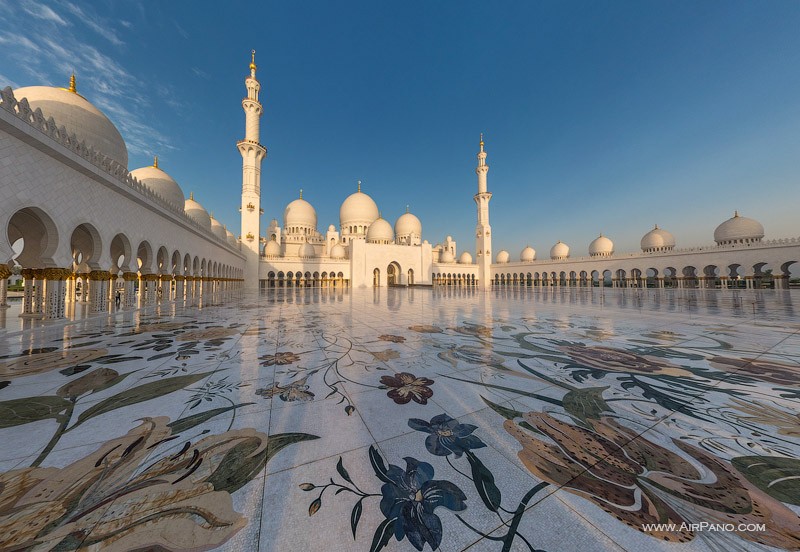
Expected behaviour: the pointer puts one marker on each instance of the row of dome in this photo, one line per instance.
(735, 230)
(357, 214)
(90, 125)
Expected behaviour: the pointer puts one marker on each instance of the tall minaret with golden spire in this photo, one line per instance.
(483, 232)
(252, 154)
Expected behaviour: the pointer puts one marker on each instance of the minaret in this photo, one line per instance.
(483, 232)
(252, 155)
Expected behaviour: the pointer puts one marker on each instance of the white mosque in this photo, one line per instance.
(90, 228)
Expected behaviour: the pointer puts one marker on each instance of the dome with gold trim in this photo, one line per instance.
(738, 229)
(300, 213)
(380, 231)
(197, 213)
(161, 183)
(78, 116)
(358, 208)
(559, 251)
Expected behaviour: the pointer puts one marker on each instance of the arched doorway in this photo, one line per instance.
(376, 278)
(410, 276)
(393, 274)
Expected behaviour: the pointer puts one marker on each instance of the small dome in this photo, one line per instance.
(161, 183)
(331, 228)
(601, 246)
(300, 213)
(465, 258)
(338, 252)
(502, 257)
(78, 116)
(358, 208)
(657, 239)
(527, 255)
(231, 238)
(738, 229)
(307, 251)
(559, 251)
(196, 212)
(446, 256)
(380, 231)
(408, 225)
(218, 229)
(273, 249)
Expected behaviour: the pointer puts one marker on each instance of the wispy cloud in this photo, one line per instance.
(200, 73)
(5, 81)
(41, 11)
(98, 24)
(181, 30)
(48, 49)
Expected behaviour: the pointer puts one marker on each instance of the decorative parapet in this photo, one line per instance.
(21, 109)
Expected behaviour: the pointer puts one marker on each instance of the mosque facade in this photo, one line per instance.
(91, 228)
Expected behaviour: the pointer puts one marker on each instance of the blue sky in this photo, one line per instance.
(598, 116)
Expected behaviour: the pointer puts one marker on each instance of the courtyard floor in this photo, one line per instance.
(402, 419)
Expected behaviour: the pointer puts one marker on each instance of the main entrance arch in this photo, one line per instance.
(393, 273)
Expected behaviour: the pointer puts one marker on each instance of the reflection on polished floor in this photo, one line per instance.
(407, 419)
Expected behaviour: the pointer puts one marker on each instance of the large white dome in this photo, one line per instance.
(197, 212)
(338, 252)
(218, 229)
(300, 213)
(738, 229)
(358, 208)
(307, 251)
(502, 257)
(465, 258)
(380, 231)
(161, 183)
(78, 116)
(657, 239)
(231, 238)
(446, 256)
(527, 255)
(273, 249)
(408, 225)
(559, 251)
(601, 246)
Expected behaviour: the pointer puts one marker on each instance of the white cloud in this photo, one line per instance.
(181, 30)
(46, 50)
(98, 24)
(5, 81)
(46, 13)
(200, 73)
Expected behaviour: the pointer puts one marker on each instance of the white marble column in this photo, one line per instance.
(5, 272)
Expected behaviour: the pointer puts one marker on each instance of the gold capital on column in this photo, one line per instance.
(5, 272)
(57, 273)
(130, 276)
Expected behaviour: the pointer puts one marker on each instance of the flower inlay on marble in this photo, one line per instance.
(408, 419)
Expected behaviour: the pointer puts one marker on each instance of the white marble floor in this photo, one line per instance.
(403, 419)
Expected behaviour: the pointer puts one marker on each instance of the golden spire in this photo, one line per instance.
(191, 196)
(72, 84)
(406, 208)
(301, 193)
(481, 141)
(735, 214)
(252, 60)
(155, 161)
(359, 185)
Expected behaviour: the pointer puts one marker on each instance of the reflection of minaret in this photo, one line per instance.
(483, 232)
(252, 155)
